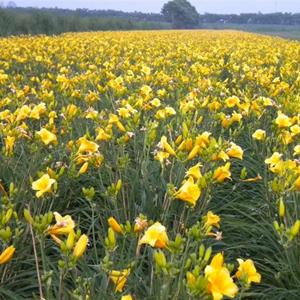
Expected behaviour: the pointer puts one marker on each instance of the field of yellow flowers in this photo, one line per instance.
(150, 165)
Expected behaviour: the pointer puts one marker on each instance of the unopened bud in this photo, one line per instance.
(160, 259)
(28, 216)
(207, 254)
(295, 228)
(281, 208)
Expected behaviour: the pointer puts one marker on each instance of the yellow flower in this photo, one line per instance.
(64, 225)
(219, 281)
(247, 271)
(235, 151)
(212, 220)
(283, 120)
(113, 223)
(102, 135)
(189, 192)
(194, 171)
(203, 139)
(119, 278)
(295, 130)
(259, 135)
(87, 146)
(236, 117)
(46, 136)
(297, 150)
(155, 102)
(9, 144)
(232, 101)
(221, 155)
(43, 185)
(140, 223)
(166, 146)
(156, 236)
(274, 159)
(161, 156)
(80, 246)
(127, 297)
(222, 173)
(297, 184)
(7, 255)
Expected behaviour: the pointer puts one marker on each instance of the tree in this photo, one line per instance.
(181, 14)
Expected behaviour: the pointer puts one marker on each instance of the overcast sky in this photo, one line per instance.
(216, 6)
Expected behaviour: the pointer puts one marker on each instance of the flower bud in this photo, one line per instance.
(276, 226)
(80, 246)
(70, 240)
(295, 228)
(115, 226)
(201, 251)
(207, 254)
(119, 185)
(193, 152)
(7, 255)
(160, 259)
(281, 208)
(28, 216)
(111, 238)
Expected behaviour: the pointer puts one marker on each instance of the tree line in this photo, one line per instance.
(16, 21)
(177, 14)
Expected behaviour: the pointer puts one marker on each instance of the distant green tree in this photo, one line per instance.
(181, 14)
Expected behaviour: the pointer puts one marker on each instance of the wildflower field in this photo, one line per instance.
(150, 165)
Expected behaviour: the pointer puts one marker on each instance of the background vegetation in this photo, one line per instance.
(175, 14)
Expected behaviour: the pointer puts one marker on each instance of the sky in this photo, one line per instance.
(213, 6)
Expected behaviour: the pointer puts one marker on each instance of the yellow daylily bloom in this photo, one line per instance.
(155, 102)
(219, 281)
(282, 120)
(47, 136)
(232, 101)
(7, 255)
(203, 139)
(235, 151)
(127, 297)
(274, 159)
(222, 173)
(166, 146)
(295, 130)
(9, 144)
(102, 135)
(161, 156)
(43, 185)
(64, 225)
(156, 236)
(189, 192)
(247, 271)
(221, 155)
(119, 278)
(212, 220)
(259, 135)
(296, 150)
(87, 146)
(194, 171)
